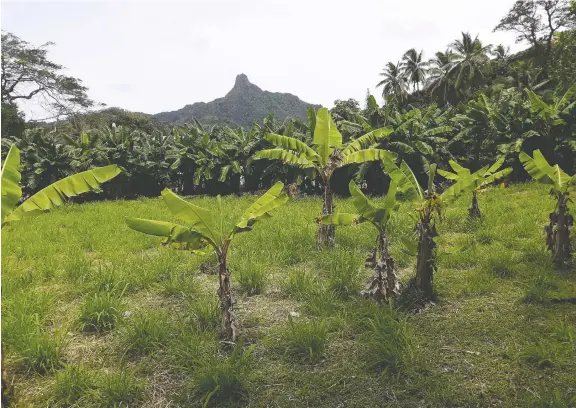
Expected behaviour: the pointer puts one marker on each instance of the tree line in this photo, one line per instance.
(194, 159)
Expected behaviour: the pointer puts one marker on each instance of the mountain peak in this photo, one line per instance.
(243, 104)
(241, 80)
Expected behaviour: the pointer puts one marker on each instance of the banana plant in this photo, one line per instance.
(558, 230)
(384, 283)
(49, 197)
(430, 207)
(325, 157)
(483, 179)
(205, 228)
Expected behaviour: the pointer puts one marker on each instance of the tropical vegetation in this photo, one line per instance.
(96, 315)
(205, 228)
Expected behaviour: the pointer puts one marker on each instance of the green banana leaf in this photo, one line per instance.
(56, 193)
(459, 170)
(270, 200)
(447, 175)
(174, 233)
(285, 156)
(326, 135)
(200, 219)
(291, 143)
(494, 168)
(390, 202)
(363, 156)
(404, 177)
(431, 175)
(424, 148)
(362, 204)
(11, 191)
(540, 170)
(496, 176)
(367, 140)
(464, 185)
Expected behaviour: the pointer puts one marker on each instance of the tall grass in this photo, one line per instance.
(498, 294)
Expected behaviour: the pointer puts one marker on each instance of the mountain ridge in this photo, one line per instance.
(242, 105)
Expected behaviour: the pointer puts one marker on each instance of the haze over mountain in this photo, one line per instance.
(243, 104)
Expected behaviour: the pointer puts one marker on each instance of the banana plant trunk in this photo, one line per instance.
(228, 326)
(474, 210)
(426, 262)
(326, 232)
(384, 283)
(558, 231)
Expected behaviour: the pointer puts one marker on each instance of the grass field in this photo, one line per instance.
(95, 314)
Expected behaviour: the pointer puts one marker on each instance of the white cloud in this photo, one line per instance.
(162, 55)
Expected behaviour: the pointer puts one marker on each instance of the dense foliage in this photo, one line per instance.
(193, 159)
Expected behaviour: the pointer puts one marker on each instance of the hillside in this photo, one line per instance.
(244, 103)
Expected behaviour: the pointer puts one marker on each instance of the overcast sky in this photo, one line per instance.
(161, 55)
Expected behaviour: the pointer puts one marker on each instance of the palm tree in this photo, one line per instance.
(439, 83)
(414, 67)
(501, 52)
(471, 61)
(394, 83)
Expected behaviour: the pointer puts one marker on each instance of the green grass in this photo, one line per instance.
(147, 332)
(97, 315)
(306, 340)
(100, 312)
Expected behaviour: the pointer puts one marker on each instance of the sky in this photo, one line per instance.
(154, 56)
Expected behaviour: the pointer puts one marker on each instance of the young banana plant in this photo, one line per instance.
(558, 230)
(384, 283)
(49, 197)
(205, 228)
(430, 207)
(327, 154)
(485, 177)
(43, 201)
